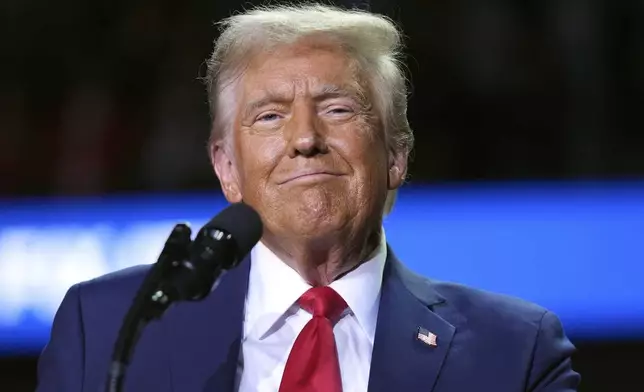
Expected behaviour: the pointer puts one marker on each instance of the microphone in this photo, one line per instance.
(219, 246)
(185, 271)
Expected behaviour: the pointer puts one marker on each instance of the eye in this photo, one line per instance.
(339, 110)
(268, 117)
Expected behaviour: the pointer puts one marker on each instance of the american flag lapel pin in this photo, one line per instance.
(427, 337)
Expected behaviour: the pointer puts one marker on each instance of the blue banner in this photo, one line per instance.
(576, 249)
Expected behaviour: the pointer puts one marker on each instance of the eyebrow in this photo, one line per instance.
(327, 91)
(335, 91)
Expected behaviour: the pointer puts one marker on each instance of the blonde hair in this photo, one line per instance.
(372, 40)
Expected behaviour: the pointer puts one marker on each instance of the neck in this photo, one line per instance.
(320, 261)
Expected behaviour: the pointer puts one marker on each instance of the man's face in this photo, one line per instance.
(307, 151)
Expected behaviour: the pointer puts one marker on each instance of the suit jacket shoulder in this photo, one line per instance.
(84, 331)
(491, 310)
(125, 281)
(503, 342)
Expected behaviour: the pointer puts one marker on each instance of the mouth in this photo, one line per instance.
(310, 177)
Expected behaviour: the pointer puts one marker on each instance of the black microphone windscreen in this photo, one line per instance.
(242, 222)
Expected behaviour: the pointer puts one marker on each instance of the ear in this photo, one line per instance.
(222, 161)
(397, 169)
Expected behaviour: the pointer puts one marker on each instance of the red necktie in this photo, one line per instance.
(312, 365)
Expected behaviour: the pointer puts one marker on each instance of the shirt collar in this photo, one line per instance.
(274, 287)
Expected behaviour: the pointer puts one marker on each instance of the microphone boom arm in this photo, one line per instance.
(185, 271)
(149, 303)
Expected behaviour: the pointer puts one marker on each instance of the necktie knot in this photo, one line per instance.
(313, 362)
(323, 301)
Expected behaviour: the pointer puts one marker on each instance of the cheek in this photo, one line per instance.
(258, 155)
(370, 153)
(374, 166)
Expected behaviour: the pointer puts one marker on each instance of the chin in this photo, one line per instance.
(313, 212)
(312, 223)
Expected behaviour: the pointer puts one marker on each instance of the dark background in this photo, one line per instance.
(103, 97)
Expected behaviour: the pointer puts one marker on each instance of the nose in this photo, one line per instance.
(306, 136)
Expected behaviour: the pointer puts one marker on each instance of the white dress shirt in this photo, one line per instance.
(273, 320)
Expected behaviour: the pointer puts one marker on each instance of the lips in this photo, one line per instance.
(309, 175)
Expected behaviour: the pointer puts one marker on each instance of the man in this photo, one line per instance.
(310, 129)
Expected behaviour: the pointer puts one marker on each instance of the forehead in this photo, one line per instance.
(301, 66)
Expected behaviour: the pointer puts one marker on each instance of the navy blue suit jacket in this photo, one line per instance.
(485, 342)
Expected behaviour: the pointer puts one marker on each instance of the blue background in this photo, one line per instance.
(577, 249)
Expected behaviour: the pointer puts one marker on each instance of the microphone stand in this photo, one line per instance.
(150, 303)
(186, 270)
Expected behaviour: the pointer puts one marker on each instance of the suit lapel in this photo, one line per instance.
(401, 361)
(205, 336)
